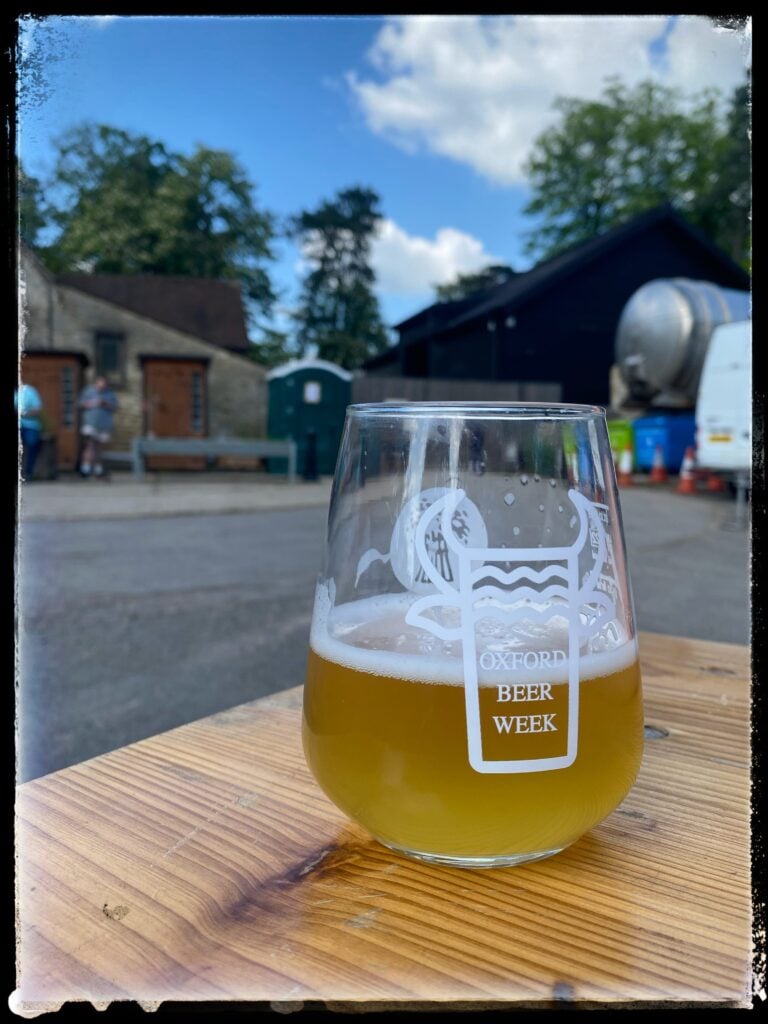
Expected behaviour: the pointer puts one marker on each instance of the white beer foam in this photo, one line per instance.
(353, 634)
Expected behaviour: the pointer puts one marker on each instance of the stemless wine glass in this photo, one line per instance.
(473, 693)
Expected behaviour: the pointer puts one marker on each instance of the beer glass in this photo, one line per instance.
(472, 694)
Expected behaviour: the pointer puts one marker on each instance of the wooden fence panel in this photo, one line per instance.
(426, 389)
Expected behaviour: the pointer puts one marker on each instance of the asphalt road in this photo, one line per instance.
(131, 627)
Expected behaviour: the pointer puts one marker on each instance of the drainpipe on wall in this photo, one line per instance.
(50, 314)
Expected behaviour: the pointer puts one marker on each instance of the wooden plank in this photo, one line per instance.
(430, 389)
(205, 864)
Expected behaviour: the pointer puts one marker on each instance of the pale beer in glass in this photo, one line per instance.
(473, 695)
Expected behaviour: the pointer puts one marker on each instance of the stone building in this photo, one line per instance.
(174, 349)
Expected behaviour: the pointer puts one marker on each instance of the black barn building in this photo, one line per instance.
(556, 322)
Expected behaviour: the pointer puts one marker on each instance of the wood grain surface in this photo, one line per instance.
(205, 864)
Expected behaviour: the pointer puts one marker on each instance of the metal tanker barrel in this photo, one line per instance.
(664, 332)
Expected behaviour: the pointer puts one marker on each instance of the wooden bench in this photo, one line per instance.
(123, 458)
(211, 448)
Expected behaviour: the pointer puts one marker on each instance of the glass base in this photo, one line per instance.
(510, 861)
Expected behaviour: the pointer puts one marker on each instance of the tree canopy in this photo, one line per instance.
(338, 310)
(634, 148)
(123, 204)
(31, 208)
(273, 348)
(479, 281)
(726, 214)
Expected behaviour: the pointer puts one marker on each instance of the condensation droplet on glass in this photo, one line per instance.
(572, 521)
(509, 499)
(541, 508)
(548, 530)
(560, 508)
(523, 479)
(516, 530)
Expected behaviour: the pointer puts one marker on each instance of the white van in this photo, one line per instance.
(724, 402)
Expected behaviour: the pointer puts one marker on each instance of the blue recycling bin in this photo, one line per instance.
(674, 432)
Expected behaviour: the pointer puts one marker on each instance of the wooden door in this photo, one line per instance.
(58, 379)
(176, 405)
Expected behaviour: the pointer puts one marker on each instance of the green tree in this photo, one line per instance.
(725, 211)
(32, 218)
(468, 284)
(124, 204)
(338, 309)
(273, 348)
(609, 159)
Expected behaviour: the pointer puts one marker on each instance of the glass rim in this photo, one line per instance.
(512, 410)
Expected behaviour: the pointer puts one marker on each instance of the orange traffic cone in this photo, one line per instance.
(715, 483)
(624, 476)
(687, 481)
(658, 470)
(572, 468)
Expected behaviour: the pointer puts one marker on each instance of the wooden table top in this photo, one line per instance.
(204, 864)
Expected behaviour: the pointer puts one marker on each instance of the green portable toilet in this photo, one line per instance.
(307, 395)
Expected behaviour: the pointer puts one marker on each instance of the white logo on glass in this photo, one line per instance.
(450, 553)
(467, 528)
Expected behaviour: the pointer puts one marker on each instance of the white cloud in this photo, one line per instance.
(411, 265)
(480, 89)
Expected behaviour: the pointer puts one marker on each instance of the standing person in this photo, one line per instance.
(98, 402)
(30, 407)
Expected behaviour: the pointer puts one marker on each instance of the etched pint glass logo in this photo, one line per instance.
(466, 528)
(447, 553)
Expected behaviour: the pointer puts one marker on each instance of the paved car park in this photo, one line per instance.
(132, 623)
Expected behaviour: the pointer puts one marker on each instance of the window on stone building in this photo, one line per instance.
(110, 357)
(197, 402)
(67, 396)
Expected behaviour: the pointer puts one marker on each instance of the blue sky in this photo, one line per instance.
(437, 114)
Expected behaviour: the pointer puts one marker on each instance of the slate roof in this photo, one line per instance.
(207, 309)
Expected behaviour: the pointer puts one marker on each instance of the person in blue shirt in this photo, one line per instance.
(98, 403)
(30, 407)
